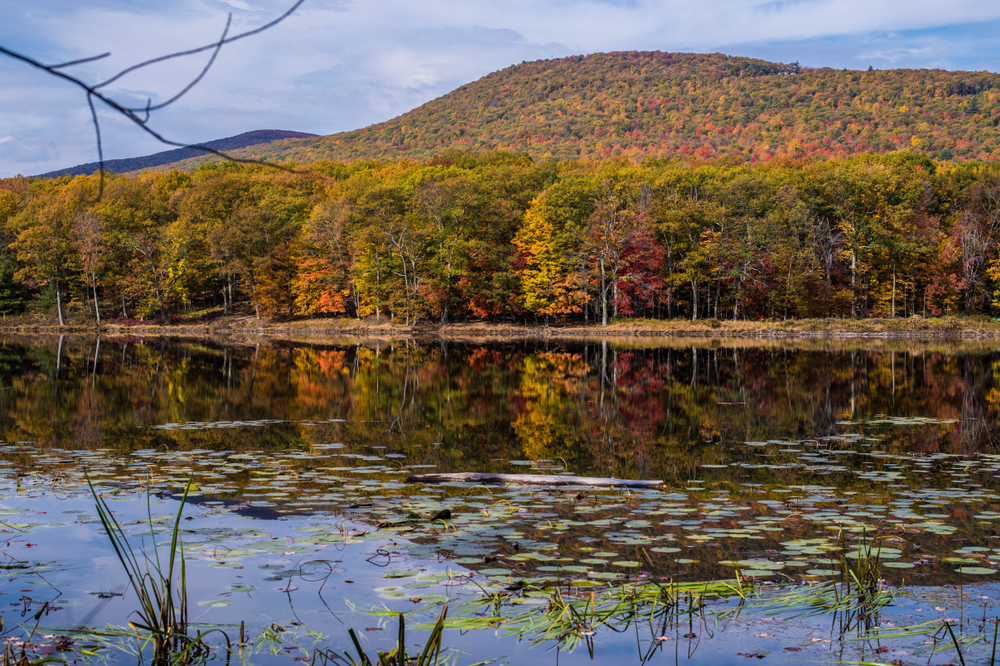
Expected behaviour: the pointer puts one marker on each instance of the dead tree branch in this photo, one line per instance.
(141, 115)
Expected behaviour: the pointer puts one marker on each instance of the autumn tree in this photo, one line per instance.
(616, 219)
(87, 237)
(978, 233)
(43, 245)
(686, 216)
(440, 203)
(549, 245)
(322, 283)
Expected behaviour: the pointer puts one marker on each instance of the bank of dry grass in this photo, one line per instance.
(212, 324)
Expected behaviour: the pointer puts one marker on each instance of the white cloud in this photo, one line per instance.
(238, 4)
(337, 65)
(894, 56)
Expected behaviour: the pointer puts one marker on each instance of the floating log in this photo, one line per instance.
(532, 480)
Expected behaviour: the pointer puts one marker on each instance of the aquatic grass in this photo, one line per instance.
(161, 591)
(854, 602)
(430, 655)
(996, 625)
(11, 657)
(568, 618)
(862, 596)
(565, 618)
(958, 648)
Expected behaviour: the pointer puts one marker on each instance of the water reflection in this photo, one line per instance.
(779, 459)
(604, 409)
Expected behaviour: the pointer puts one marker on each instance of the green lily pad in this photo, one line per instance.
(215, 603)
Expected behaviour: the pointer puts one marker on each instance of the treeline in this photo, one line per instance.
(498, 237)
(699, 106)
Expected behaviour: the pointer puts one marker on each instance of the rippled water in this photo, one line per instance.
(778, 458)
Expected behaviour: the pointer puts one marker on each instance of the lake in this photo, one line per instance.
(824, 500)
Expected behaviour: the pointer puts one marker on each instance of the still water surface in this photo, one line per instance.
(778, 457)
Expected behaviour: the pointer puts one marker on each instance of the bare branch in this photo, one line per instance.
(140, 116)
(80, 61)
(196, 80)
(181, 54)
(97, 133)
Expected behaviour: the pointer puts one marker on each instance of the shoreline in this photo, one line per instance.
(913, 328)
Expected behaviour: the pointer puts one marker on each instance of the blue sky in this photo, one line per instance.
(338, 65)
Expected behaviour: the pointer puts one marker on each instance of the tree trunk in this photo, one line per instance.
(854, 284)
(829, 291)
(62, 322)
(864, 294)
(670, 281)
(253, 290)
(718, 292)
(86, 294)
(614, 299)
(447, 296)
(694, 299)
(604, 296)
(97, 305)
(788, 288)
(893, 309)
(406, 286)
(532, 480)
(163, 309)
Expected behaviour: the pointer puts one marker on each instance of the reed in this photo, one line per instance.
(13, 657)
(160, 587)
(430, 655)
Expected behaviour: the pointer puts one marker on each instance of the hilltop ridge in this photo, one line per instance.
(662, 105)
(651, 104)
(171, 157)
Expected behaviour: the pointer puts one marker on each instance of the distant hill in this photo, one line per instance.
(654, 104)
(169, 157)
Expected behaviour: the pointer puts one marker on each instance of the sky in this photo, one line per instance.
(337, 65)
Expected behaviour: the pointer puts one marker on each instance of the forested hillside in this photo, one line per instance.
(497, 236)
(652, 104)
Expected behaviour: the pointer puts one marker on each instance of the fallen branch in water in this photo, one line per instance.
(532, 480)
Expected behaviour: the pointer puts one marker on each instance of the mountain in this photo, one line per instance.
(663, 105)
(169, 157)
